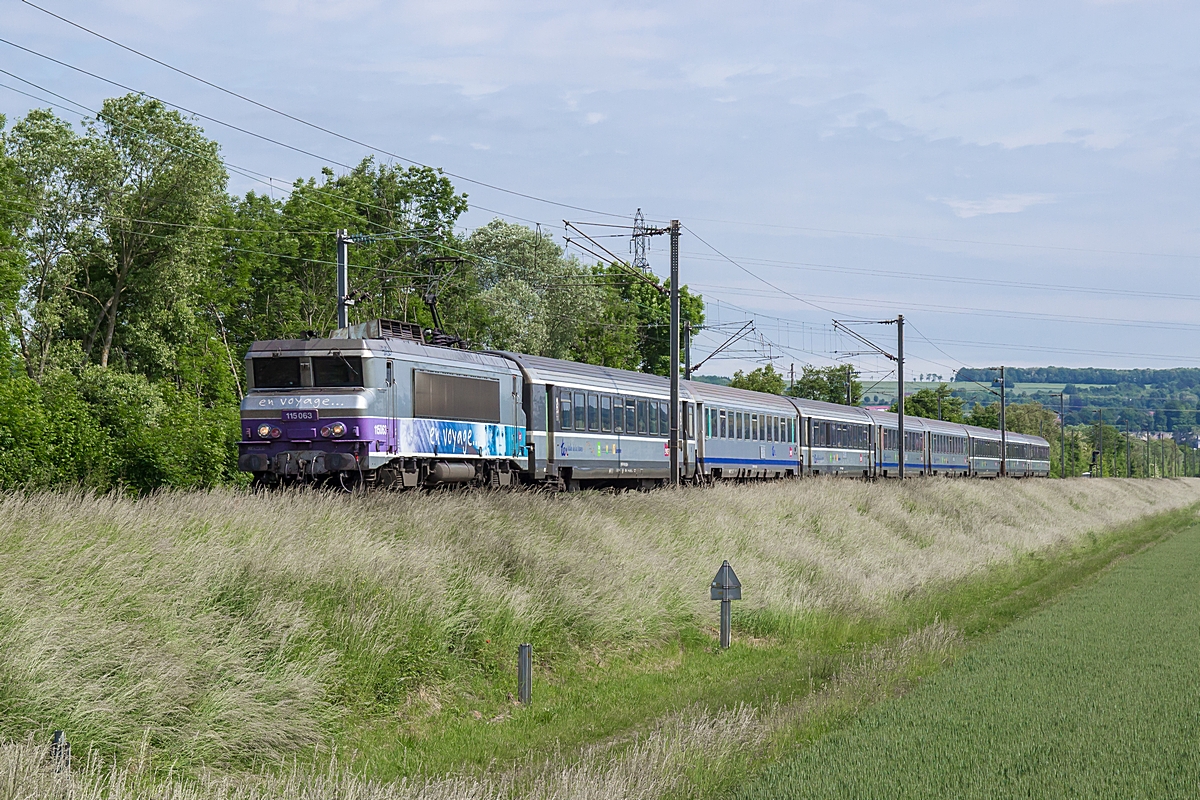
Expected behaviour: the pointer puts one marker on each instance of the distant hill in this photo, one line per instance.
(1179, 378)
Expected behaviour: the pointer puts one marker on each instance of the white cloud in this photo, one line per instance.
(996, 204)
(594, 117)
(478, 146)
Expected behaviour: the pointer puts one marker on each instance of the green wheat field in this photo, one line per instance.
(1098, 695)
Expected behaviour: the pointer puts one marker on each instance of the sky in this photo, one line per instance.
(1018, 179)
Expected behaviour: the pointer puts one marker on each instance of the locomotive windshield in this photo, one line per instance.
(276, 373)
(337, 371)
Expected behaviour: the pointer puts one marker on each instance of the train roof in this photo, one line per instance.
(819, 408)
(380, 347)
(911, 423)
(716, 394)
(540, 369)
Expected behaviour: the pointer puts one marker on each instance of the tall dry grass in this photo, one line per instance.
(653, 765)
(227, 629)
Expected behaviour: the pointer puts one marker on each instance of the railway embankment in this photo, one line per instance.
(315, 644)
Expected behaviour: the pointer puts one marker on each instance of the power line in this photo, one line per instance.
(200, 115)
(260, 177)
(952, 241)
(924, 276)
(309, 124)
(759, 277)
(977, 311)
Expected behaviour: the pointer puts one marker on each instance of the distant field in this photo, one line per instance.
(1095, 696)
(1053, 387)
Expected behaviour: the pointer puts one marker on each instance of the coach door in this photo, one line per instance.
(393, 407)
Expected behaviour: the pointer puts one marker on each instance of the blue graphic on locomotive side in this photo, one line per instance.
(485, 439)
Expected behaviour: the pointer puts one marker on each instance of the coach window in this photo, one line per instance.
(652, 417)
(664, 419)
(721, 424)
(580, 412)
(641, 417)
(618, 415)
(606, 413)
(630, 415)
(564, 405)
(593, 412)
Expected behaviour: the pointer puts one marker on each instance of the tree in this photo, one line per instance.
(924, 403)
(532, 297)
(764, 379)
(982, 416)
(151, 184)
(828, 384)
(648, 303)
(1031, 418)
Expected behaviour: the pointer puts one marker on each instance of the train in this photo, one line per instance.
(379, 404)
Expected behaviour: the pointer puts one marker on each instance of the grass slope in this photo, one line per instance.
(1095, 696)
(232, 632)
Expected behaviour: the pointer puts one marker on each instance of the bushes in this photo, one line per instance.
(103, 429)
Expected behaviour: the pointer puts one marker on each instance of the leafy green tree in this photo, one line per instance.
(983, 416)
(151, 184)
(531, 296)
(48, 229)
(925, 403)
(828, 384)
(648, 305)
(763, 379)
(1031, 418)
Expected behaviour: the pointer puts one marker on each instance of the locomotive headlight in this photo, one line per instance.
(276, 433)
(264, 431)
(337, 429)
(325, 431)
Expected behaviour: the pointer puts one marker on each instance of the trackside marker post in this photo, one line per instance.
(524, 673)
(725, 587)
